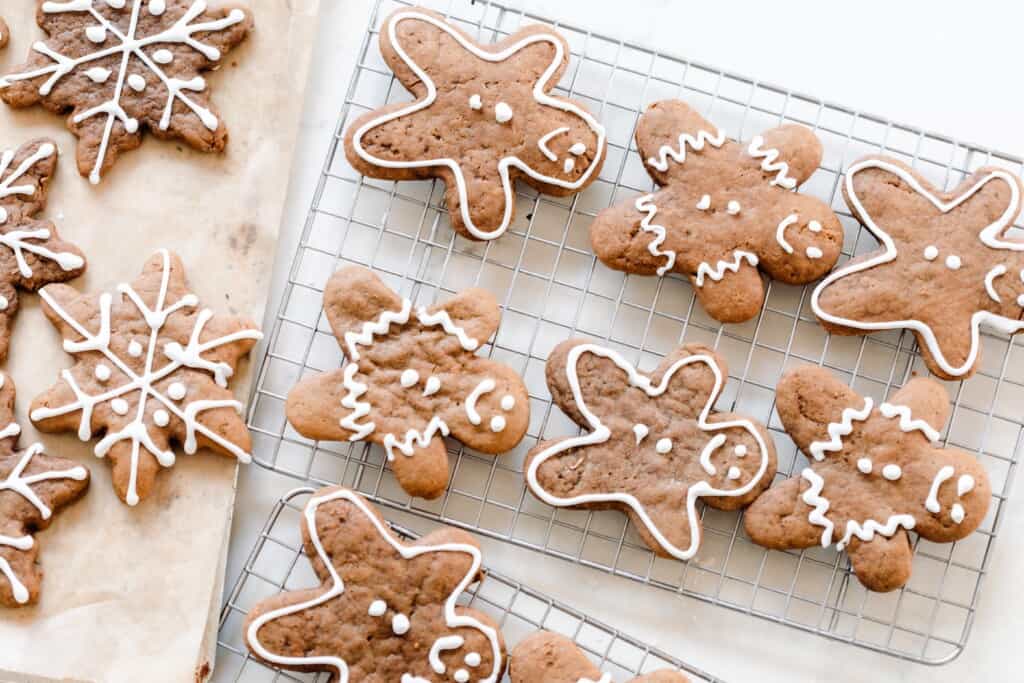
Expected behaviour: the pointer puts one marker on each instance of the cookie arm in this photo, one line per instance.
(809, 399)
(671, 134)
(787, 155)
(780, 520)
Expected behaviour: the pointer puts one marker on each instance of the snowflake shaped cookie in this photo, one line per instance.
(724, 211)
(33, 486)
(651, 445)
(386, 609)
(412, 378)
(31, 252)
(875, 472)
(482, 118)
(946, 267)
(553, 658)
(120, 66)
(151, 367)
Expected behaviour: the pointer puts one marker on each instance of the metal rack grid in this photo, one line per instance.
(273, 566)
(552, 288)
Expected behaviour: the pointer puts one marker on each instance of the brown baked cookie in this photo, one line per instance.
(724, 210)
(5, 34)
(946, 264)
(119, 67)
(386, 610)
(151, 367)
(652, 446)
(482, 118)
(33, 486)
(550, 658)
(875, 472)
(32, 254)
(412, 377)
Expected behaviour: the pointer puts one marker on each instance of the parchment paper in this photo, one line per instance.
(132, 594)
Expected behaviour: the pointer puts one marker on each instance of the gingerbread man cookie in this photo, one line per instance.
(552, 658)
(946, 266)
(33, 486)
(32, 254)
(151, 367)
(652, 446)
(876, 471)
(482, 118)
(386, 611)
(724, 210)
(411, 377)
(121, 66)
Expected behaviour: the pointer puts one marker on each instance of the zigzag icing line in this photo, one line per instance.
(770, 163)
(907, 423)
(812, 496)
(867, 531)
(644, 204)
(837, 430)
(420, 439)
(360, 409)
(718, 272)
(442, 318)
(379, 326)
(679, 155)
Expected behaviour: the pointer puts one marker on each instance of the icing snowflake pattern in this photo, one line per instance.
(170, 385)
(877, 470)
(345, 535)
(127, 49)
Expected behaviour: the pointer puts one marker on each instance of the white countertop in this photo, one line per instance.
(946, 68)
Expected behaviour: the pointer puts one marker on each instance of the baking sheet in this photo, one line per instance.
(132, 594)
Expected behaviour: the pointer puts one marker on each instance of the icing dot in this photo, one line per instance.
(705, 203)
(98, 74)
(134, 349)
(931, 252)
(733, 207)
(964, 484)
(432, 386)
(461, 676)
(473, 659)
(508, 402)
(953, 262)
(161, 418)
(163, 56)
(96, 34)
(734, 472)
(740, 450)
(892, 472)
(475, 103)
(377, 608)
(400, 624)
(663, 446)
(136, 82)
(1020, 300)
(497, 423)
(640, 431)
(409, 378)
(176, 391)
(814, 252)
(814, 226)
(119, 406)
(578, 149)
(102, 372)
(864, 465)
(569, 165)
(502, 113)
(956, 513)
(4, 303)
(157, 7)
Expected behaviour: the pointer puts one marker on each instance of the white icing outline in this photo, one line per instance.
(907, 423)
(770, 163)
(644, 204)
(718, 272)
(716, 139)
(453, 619)
(988, 236)
(539, 95)
(130, 46)
(837, 430)
(600, 434)
(179, 357)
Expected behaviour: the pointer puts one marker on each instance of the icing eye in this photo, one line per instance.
(663, 446)
(134, 349)
(864, 465)
(578, 149)
(964, 484)
(400, 624)
(956, 513)
(497, 423)
(409, 378)
(640, 431)
(814, 226)
(931, 252)
(569, 165)
(814, 252)
(953, 262)
(432, 386)
(119, 406)
(102, 372)
(473, 659)
(377, 608)
(705, 203)
(508, 402)
(734, 472)
(161, 418)
(475, 103)
(461, 676)
(502, 112)
(740, 451)
(733, 207)
(163, 56)
(892, 472)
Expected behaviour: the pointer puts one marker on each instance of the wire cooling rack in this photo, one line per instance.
(552, 288)
(275, 565)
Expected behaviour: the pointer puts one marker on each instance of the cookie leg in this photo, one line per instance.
(424, 474)
(735, 297)
(883, 564)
